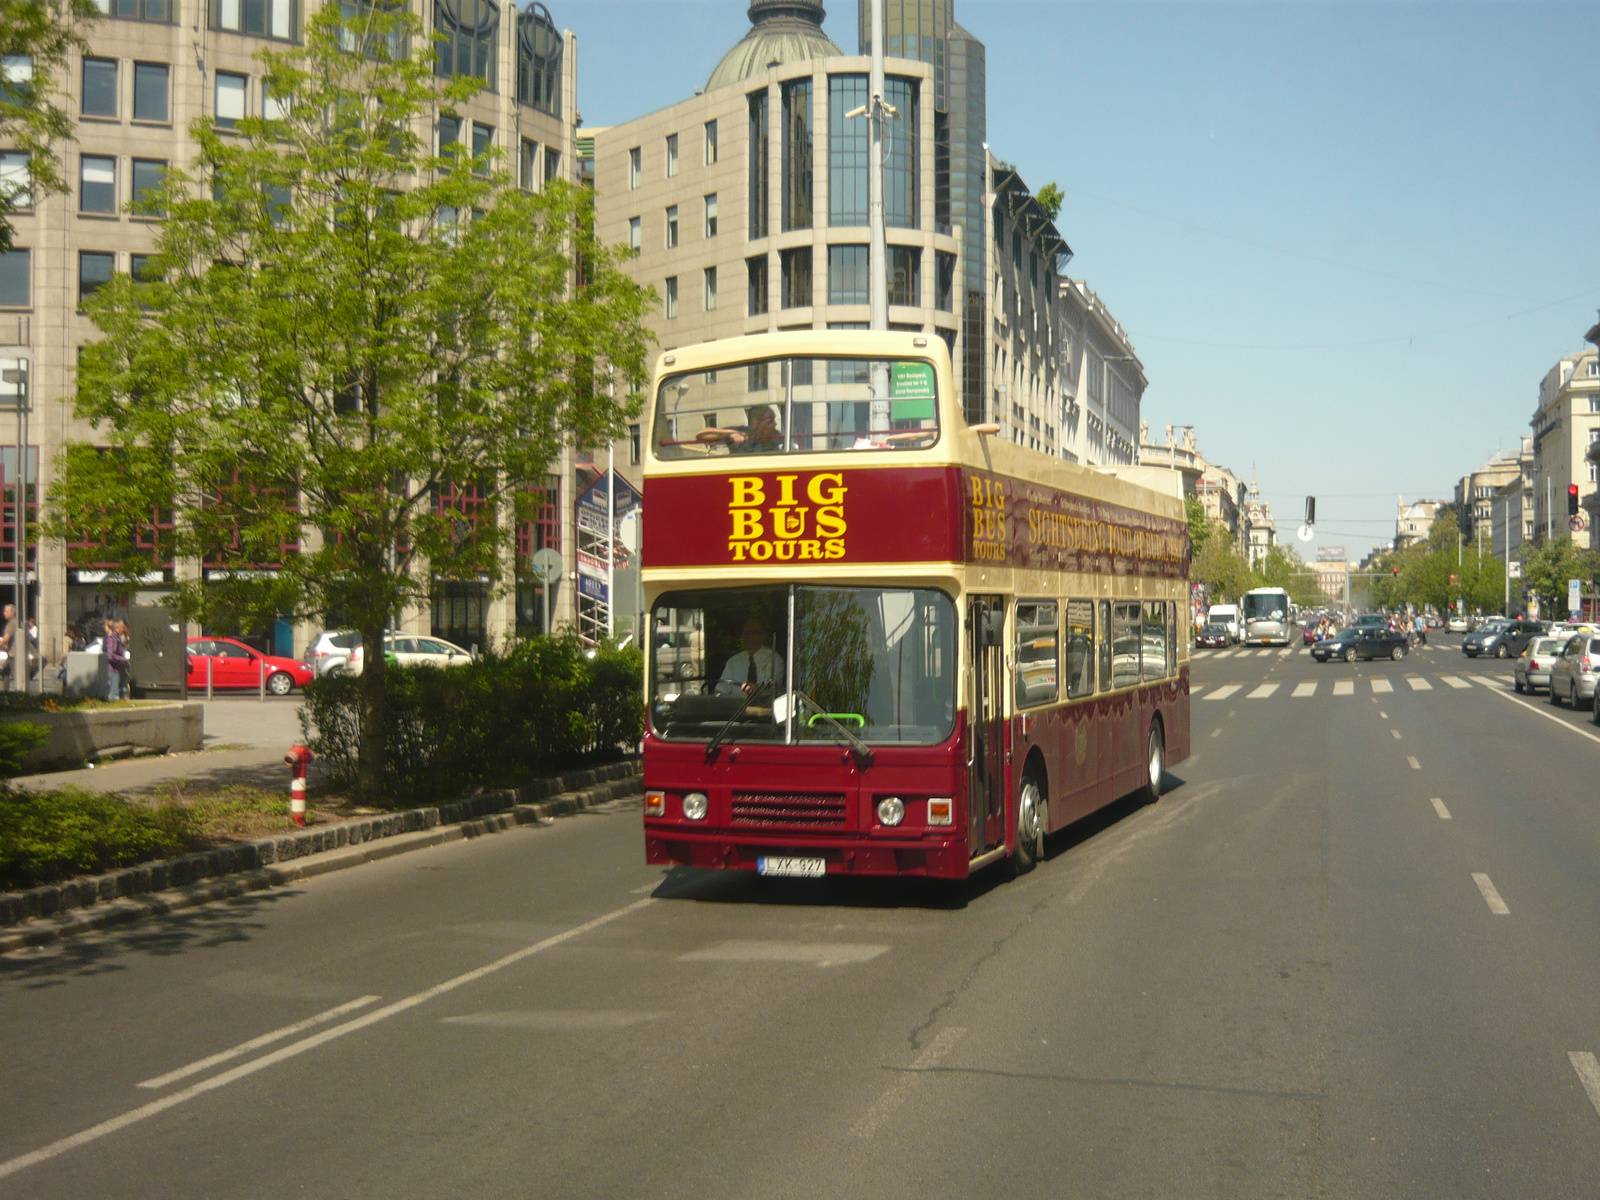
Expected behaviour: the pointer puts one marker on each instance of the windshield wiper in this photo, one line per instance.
(862, 751)
(749, 698)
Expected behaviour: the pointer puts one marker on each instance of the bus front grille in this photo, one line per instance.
(789, 809)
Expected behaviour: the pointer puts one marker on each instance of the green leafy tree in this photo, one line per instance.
(353, 359)
(1548, 566)
(37, 37)
(1220, 567)
(1282, 567)
(1199, 525)
(1050, 197)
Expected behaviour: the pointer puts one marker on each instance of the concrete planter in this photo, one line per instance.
(81, 734)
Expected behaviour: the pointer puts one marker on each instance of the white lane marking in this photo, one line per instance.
(293, 1049)
(1415, 765)
(1262, 692)
(1222, 654)
(1419, 684)
(266, 1039)
(1265, 653)
(1455, 682)
(887, 1104)
(1344, 687)
(1309, 688)
(1491, 682)
(1588, 1074)
(1438, 807)
(1396, 734)
(1216, 731)
(816, 954)
(1223, 692)
(1382, 685)
(1196, 689)
(1381, 714)
(1549, 716)
(1491, 897)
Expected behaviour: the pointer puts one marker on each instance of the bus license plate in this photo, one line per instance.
(804, 868)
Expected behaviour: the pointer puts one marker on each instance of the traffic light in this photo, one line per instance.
(1311, 510)
(1396, 571)
(1572, 499)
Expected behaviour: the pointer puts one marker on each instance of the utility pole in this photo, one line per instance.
(879, 254)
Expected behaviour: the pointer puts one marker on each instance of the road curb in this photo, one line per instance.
(47, 914)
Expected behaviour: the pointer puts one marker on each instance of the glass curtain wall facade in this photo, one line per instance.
(797, 170)
(926, 30)
(758, 164)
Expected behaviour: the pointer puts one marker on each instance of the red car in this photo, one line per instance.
(235, 665)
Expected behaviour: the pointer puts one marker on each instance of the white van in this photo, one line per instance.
(1226, 614)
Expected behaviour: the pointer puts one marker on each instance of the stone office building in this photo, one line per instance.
(151, 68)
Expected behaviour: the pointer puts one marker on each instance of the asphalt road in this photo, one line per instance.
(1290, 977)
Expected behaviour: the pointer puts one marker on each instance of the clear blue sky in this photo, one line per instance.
(1347, 240)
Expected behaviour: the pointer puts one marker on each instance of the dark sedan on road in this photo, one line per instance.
(1341, 646)
(1366, 644)
(1502, 639)
(1214, 636)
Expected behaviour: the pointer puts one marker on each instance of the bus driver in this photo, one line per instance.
(757, 663)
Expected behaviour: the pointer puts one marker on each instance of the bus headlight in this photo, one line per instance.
(891, 811)
(941, 811)
(695, 806)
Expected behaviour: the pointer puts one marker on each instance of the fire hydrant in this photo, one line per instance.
(298, 758)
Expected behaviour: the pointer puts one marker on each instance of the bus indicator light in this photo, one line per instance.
(941, 811)
(655, 804)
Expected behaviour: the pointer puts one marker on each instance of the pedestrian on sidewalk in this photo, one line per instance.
(116, 660)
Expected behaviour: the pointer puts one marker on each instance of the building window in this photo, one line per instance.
(261, 18)
(482, 143)
(797, 170)
(672, 155)
(635, 236)
(150, 92)
(539, 51)
(1016, 249)
(99, 98)
(758, 164)
(449, 134)
(633, 445)
(902, 207)
(711, 288)
(94, 272)
(469, 28)
(97, 184)
(711, 215)
(15, 279)
(528, 166)
(905, 276)
(140, 268)
(945, 284)
(230, 99)
(552, 164)
(756, 274)
(161, 11)
(635, 166)
(795, 280)
(711, 142)
(849, 142)
(672, 227)
(147, 173)
(849, 274)
(16, 181)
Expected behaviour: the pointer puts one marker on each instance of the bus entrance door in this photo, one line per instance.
(986, 768)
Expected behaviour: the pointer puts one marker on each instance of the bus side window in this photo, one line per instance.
(1126, 633)
(1038, 652)
(1080, 648)
(1172, 638)
(1104, 635)
(1154, 641)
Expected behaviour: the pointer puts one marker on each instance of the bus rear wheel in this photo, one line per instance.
(1157, 764)
(1030, 827)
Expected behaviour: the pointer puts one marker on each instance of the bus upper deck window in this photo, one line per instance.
(805, 405)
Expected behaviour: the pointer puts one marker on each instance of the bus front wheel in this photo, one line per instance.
(1157, 761)
(1030, 827)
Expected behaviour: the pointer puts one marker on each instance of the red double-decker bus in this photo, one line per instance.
(883, 642)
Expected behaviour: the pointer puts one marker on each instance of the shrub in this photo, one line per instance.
(18, 739)
(543, 703)
(45, 836)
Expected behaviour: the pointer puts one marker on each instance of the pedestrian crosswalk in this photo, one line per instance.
(1341, 687)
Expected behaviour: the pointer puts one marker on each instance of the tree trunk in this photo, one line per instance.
(370, 762)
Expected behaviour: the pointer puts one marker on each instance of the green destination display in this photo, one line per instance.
(912, 389)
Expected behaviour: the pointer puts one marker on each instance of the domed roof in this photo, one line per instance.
(782, 31)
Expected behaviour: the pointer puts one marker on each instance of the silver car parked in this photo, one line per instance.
(1532, 669)
(1572, 678)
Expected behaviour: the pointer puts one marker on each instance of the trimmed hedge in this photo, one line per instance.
(544, 703)
(46, 836)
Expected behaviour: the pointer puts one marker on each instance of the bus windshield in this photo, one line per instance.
(878, 661)
(1266, 606)
(797, 406)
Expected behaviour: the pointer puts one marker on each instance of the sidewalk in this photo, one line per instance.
(256, 736)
